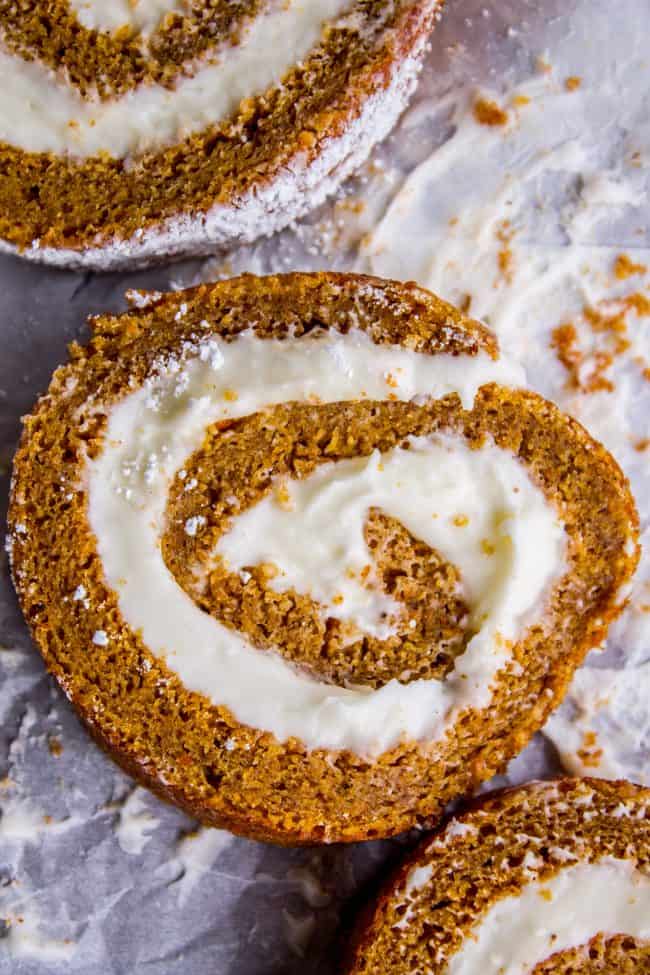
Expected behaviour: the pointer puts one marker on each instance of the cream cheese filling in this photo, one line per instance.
(40, 112)
(607, 897)
(430, 486)
(140, 15)
(152, 432)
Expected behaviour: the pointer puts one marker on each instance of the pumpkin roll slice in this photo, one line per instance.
(550, 878)
(306, 556)
(137, 132)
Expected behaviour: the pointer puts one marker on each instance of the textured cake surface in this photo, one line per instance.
(195, 752)
(555, 873)
(277, 151)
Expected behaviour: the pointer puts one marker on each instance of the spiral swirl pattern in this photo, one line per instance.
(317, 542)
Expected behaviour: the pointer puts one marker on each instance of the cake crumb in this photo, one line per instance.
(505, 256)
(638, 303)
(487, 112)
(54, 745)
(590, 755)
(269, 570)
(625, 268)
(564, 339)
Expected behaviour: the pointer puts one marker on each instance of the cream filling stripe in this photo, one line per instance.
(431, 488)
(41, 113)
(608, 897)
(153, 430)
(140, 15)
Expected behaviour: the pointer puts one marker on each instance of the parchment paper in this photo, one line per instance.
(525, 221)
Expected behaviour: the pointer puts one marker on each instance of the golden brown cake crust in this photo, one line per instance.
(602, 956)
(172, 739)
(484, 857)
(75, 204)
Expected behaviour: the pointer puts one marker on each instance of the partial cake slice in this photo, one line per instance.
(306, 556)
(137, 132)
(552, 877)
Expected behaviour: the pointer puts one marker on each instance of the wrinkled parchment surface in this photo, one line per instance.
(525, 221)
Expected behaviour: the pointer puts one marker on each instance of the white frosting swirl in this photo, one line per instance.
(608, 897)
(449, 495)
(42, 112)
(139, 15)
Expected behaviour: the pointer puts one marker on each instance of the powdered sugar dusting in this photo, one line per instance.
(297, 188)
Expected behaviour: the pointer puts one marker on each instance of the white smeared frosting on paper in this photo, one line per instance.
(135, 822)
(153, 431)
(604, 727)
(194, 855)
(40, 112)
(140, 15)
(608, 897)
(558, 193)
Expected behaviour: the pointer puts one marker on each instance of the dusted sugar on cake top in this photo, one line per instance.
(139, 133)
